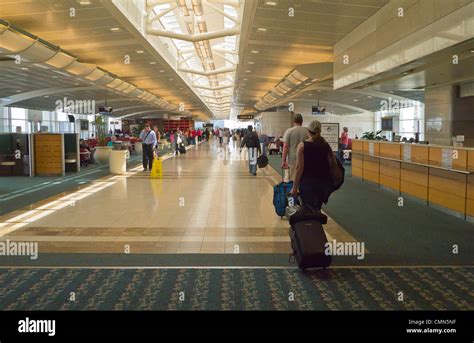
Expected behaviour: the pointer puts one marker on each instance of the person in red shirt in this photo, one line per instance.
(343, 143)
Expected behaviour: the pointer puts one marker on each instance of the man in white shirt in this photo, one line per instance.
(292, 137)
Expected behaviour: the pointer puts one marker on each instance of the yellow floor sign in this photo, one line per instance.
(157, 169)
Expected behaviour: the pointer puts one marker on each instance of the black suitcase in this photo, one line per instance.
(182, 149)
(298, 213)
(262, 161)
(308, 242)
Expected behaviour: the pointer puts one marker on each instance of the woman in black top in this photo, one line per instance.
(316, 168)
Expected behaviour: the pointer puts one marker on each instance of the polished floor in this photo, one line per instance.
(206, 202)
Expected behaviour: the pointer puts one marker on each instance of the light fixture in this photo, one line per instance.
(262, 29)
(270, 3)
(250, 62)
(254, 51)
(115, 29)
(248, 71)
(46, 96)
(19, 90)
(162, 71)
(356, 100)
(152, 62)
(369, 96)
(84, 2)
(139, 51)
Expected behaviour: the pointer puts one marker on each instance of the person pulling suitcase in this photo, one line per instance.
(317, 175)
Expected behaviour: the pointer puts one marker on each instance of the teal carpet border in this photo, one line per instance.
(237, 289)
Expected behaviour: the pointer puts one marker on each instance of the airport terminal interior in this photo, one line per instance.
(127, 180)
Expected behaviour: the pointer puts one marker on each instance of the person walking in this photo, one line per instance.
(253, 145)
(343, 143)
(292, 137)
(317, 171)
(148, 138)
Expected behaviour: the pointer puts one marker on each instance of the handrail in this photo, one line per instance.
(466, 172)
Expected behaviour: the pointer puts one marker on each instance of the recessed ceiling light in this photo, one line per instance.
(115, 29)
(310, 94)
(270, 3)
(24, 68)
(245, 79)
(152, 62)
(84, 2)
(251, 62)
(162, 71)
(254, 51)
(248, 71)
(19, 90)
(54, 77)
(262, 29)
(139, 51)
(368, 96)
(171, 79)
(46, 96)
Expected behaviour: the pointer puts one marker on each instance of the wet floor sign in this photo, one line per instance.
(157, 169)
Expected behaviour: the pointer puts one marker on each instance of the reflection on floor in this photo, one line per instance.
(238, 289)
(207, 202)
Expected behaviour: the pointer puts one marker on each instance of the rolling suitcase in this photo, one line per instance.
(182, 149)
(280, 200)
(298, 213)
(262, 161)
(308, 242)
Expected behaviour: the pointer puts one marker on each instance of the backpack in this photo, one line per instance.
(252, 140)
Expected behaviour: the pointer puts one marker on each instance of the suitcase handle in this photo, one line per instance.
(283, 174)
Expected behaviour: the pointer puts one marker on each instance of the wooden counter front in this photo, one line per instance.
(414, 180)
(390, 174)
(370, 169)
(438, 175)
(48, 159)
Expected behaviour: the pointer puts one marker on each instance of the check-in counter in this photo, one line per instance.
(440, 176)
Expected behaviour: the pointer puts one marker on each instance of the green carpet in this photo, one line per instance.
(412, 234)
(237, 289)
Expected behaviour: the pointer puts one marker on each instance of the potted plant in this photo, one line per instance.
(102, 151)
(136, 130)
(372, 136)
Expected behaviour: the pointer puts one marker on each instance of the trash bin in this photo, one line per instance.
(118, 161)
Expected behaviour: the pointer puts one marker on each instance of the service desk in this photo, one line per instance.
(440, 176)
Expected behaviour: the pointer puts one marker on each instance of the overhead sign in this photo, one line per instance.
(330, 132)
(245, 116)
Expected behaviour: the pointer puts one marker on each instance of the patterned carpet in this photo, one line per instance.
(237, 289)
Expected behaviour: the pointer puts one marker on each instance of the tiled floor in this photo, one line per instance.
(204, 203)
